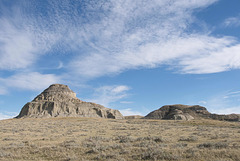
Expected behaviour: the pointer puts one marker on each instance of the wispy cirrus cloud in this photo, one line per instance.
(202, 102)
(232, 22)
(7, 115)
(3, 116)
(221, 59)
(228, 110)
(225, 103)
(129, 111)
(106, 95)
(16, 48)
(156, 38)
(233, 96)
(3, 91)
(126, 102)
(29, 81)
(109, 37)
(191, 54)
(25, 35)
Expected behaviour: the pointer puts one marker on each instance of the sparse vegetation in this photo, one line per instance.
(105, 139)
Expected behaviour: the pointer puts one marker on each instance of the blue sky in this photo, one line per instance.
(134, 56)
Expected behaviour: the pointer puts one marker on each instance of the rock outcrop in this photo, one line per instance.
(133, 117)
(60, 101)
(173, 112)
(185, 112)
(231, 117)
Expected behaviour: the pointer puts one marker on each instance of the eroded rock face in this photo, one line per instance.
(60, 101)
(175, 112)
(185, 112)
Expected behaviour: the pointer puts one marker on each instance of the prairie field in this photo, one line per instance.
(72, 139)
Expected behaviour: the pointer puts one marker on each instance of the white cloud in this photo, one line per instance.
(225, 103)
(202, 102)
(223, 59)
(230, 110)
(7, 115)
(3, 91)
(120, 89)
(30, 81)
(126, 102)
(60, 65)
(118, 36)
(193, 54)
(129, 111)
(106, 95)
(232, 95)
(123, 43)
(16, 48)
(232, 22)
(24, 35)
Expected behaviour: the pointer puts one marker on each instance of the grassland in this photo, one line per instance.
(123, 140)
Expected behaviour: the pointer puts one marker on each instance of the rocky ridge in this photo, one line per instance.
(59, 100)
(185, 112)
(133, 117)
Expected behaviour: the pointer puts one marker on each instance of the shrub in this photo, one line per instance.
(218, 145)
(190, 138)
(158, 154)
(124, 139)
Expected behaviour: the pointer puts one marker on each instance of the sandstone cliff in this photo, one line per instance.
(60, 101)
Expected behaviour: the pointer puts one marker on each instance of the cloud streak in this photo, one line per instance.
(106, 95)
(29, 81)
(3, 91)
(154, 39)
(232, 22)
(230, 110)
(129, 111)
(7, 115)
(98, 38)
(16, 48)
(226, 103)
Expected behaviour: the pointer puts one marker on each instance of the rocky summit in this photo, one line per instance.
(185, 112)
(59, 100)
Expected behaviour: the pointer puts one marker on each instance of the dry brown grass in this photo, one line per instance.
(123, 140)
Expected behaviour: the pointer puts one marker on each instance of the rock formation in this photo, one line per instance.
(60, 101)
(133, 117)
(185, 112)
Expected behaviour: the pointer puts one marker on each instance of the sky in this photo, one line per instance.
(130, 55)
